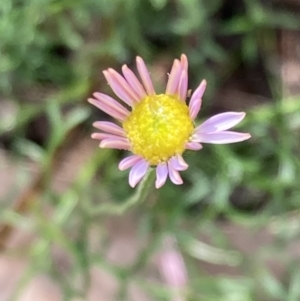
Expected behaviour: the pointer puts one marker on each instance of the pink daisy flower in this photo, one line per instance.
(158, 128)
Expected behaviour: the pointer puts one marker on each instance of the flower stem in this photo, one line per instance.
(138, 197)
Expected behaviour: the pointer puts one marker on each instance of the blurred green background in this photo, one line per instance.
(236, 218)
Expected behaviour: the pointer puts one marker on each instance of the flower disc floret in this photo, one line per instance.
(158, 128)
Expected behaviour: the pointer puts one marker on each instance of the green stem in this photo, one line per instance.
(137, 198)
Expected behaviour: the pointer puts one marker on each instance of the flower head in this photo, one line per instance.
(158, 128)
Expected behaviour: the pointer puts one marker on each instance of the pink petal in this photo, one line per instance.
(125, 86)
(178, 163)
(134, 82)
(117, 143)
(161, 175)
(184, 62)
(220, 122)
(194, 108)
(118, 88)
(111, 103)
(109, 127)
(196, 100)
(137, 172)
(193, 146)
(144, 74)
(174, 175)
(220, 137)
(102, 136)
(182, 87)
(113, 112)
(172, 85)
(129, 162)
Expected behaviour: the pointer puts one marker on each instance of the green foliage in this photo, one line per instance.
(51, 56)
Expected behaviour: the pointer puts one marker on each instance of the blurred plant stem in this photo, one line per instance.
(138, 197)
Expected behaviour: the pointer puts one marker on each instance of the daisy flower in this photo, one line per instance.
(158, 128)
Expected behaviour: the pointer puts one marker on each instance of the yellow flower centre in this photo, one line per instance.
(158, 128)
